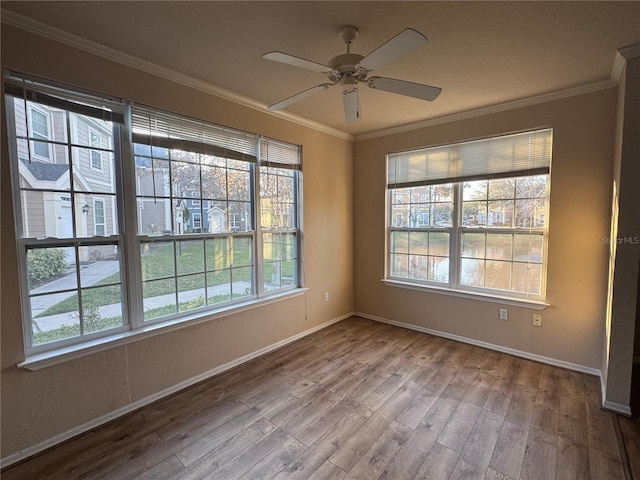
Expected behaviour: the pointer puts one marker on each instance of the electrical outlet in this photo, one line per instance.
(326, 296)
(537, 320)
(504, 314)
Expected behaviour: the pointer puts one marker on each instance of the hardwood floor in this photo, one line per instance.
(358, 400)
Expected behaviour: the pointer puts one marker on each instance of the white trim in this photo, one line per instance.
(28, 452)
(491, 346)
(617, 408)
(491, 109)
(485, 297)
(630, 51)
(52, 33)
(617, 68)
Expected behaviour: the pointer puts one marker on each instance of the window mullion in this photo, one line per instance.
(257, 218)
(455, 241)
(130, 266)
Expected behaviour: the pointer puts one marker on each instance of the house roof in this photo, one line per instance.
(45, 171)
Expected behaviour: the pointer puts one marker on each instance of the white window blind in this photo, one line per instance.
(279, 154)
(52, 95)
(513, 155)
(160, 129)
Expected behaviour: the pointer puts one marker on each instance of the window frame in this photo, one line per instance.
(128, 208)
(457, 230)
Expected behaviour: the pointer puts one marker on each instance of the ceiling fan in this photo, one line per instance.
(349, 69)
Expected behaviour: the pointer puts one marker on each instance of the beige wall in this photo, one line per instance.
(581, 179)
(37, 406)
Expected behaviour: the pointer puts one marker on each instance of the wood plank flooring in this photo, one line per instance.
(357, 400)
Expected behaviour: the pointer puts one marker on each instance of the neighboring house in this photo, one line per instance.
(46, 178)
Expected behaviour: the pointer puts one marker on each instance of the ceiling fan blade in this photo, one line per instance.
(402, 87)
(399, 45)
(296, 61)
(298, 96)
(351, 103)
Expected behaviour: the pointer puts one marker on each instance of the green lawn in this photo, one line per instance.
(158, 262)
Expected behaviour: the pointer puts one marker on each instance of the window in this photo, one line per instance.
(197, 222)
(98, 217)
(471, 216)
(95, 140)
(195, 241)
(279, 197)
(40, 131)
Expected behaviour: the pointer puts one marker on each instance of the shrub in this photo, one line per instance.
(45, 263)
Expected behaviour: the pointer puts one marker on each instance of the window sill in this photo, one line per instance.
(516, 302)
(38, 361)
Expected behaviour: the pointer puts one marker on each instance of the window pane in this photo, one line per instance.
(152, 177)
(242, 251)
(157, 260)
(474, 190)
(442, 193)
(473, 245)
(418, 267)
(101, 308)
(419, 243)
(438, 270)
(242, 285)
(48, 328)
(239, 216)
(500, 213)
(499, 246)
(501, 188)
(100, 265)
(529, 213)
(218, 286)
(441, 214)
(527, 278)
(421, 194)
(474, 214)
(527, 248)
(154, 216)
(51, 269)
(400, 242)
(218, 253)
(238, 184)
(439, 244)
(472, 272)
(214, 179)
(531, 187)
(498, 275)
(191, 292)
(159, 298)
(190, 256)
(399, 265)
(185, 179)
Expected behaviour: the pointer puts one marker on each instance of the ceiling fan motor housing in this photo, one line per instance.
(344, 67)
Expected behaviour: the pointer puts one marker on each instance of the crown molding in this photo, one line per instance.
(13, 19)
(491, 109)
(19, 21)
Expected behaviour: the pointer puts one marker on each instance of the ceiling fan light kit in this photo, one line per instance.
(348, 69)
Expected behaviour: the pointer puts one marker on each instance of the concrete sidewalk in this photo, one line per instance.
(52, 322)
(90, 274)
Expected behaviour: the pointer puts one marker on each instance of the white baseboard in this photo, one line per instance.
(40, 447)
(492, 346)
(617, 408)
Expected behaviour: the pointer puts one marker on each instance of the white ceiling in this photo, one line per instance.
(479, 53)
